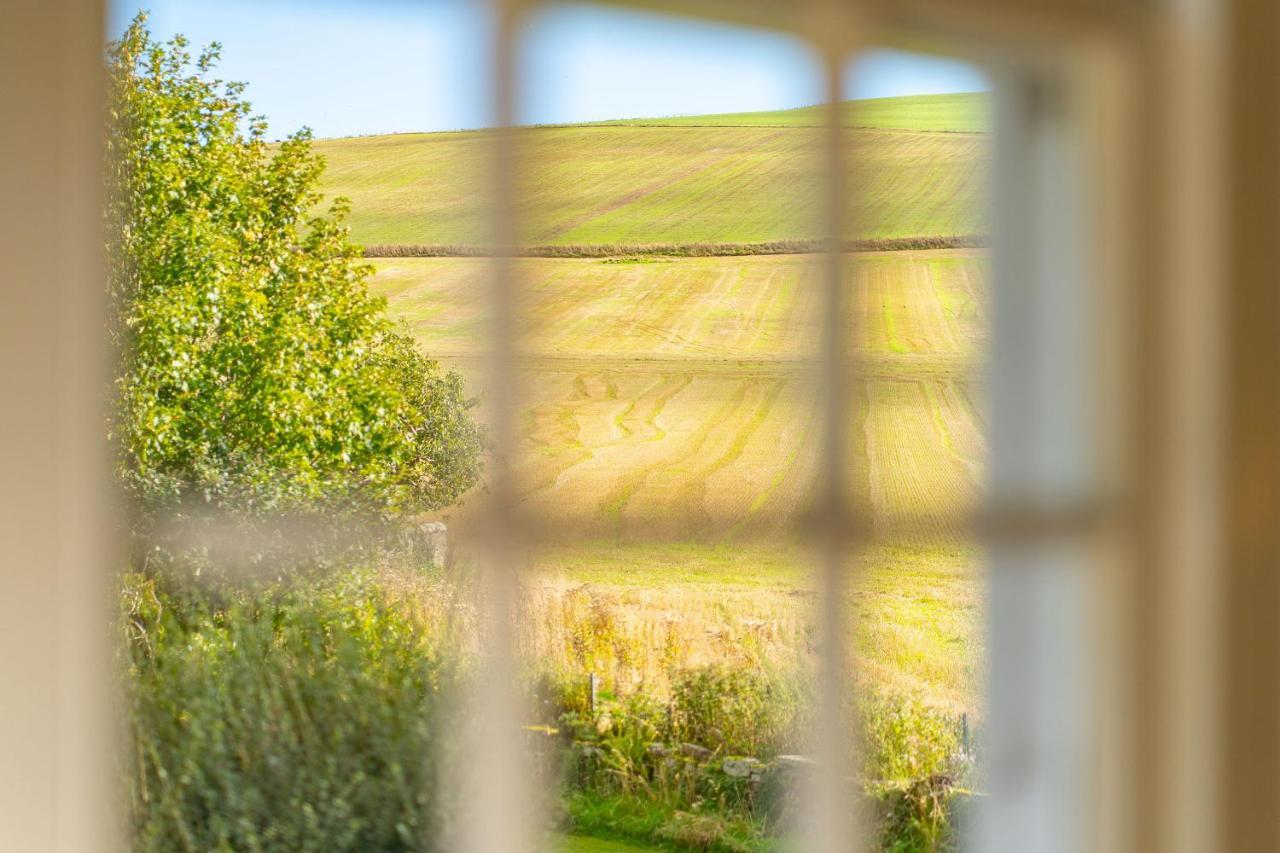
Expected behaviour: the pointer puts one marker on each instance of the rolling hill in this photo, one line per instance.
(729, 178)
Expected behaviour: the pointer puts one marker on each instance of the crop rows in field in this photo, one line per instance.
(673, 400)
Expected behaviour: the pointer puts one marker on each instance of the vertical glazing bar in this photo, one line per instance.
(1042, 404)
(833, 798)
(1185, 813)
(498, 807)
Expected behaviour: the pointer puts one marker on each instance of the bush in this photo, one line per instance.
(915, 760)
(302, 720)
(736, 711)
(673, 761)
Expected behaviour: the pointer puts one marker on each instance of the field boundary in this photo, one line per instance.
(679, 250)
(875, 128)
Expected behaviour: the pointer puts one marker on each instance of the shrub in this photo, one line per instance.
(906, 740)
(302, 719)
(736, 711)
(914, 762)
(308, 715)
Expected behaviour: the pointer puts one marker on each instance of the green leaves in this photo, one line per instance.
(258, 374)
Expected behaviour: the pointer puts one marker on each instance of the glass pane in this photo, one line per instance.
(296, 643)
(670, 432)
(920, 319)
(308, 631)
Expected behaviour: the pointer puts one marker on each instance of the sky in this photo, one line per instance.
(385, 66)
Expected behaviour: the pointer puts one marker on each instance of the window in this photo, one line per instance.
(1132, 633)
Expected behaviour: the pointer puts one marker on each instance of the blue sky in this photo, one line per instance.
(344, 68)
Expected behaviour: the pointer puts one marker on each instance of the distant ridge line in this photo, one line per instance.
(683, 250)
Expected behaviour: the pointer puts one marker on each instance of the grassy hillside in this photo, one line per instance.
(749, 178)
(670, 429)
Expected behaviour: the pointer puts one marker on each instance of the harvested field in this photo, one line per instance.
(669, 439)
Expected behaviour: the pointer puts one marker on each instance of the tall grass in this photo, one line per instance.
(314, 715)
(293, 719)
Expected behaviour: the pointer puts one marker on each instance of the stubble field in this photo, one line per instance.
(669, 453)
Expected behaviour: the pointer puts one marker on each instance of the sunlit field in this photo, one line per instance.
(669, 440)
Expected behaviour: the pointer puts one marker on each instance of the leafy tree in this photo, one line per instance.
(258, 374)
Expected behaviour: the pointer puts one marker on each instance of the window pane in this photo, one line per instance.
(919, 314)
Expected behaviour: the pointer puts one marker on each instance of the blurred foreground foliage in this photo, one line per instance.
(301, 718)
(316, 714)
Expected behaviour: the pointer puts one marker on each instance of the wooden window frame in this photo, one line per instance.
(1135, 650)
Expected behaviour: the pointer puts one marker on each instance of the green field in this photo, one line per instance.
(746, 178)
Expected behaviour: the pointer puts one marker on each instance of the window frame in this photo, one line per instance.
(1182, 686)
